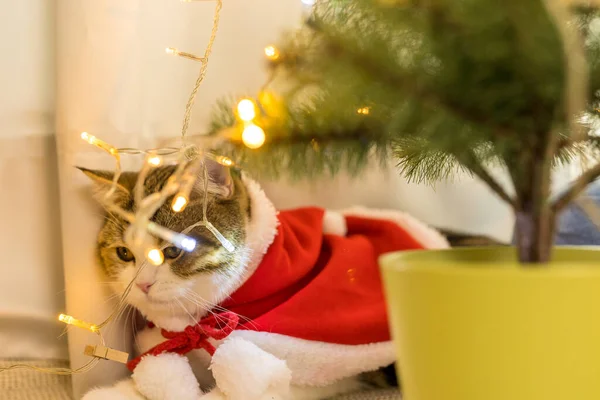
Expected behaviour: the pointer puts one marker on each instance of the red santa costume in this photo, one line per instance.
(315, 298)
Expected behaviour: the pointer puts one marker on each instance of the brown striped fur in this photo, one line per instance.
(229, 215)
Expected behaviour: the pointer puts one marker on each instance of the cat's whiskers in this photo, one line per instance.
(197, 303)
(134, 327)
(125, 323)
(120, 313)
(192, 318)
(110, 298)
(201, 304)
(209, 306)
(171, 309)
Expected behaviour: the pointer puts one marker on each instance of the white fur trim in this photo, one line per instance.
(245, 372)
(166, 377)
(428, 237)
(124, 390)
(334, 223)
(320, 364)
(262, 228)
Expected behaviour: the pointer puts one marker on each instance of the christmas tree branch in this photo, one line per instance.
(576, 188)
(308, 151)
(361, 135)
(404, 83)
(476, 168)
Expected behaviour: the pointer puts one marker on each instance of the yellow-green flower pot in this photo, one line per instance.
(473, 324)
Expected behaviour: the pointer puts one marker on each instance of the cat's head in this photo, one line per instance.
(188, 284)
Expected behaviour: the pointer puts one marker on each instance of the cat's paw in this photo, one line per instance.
(166, 377)
(124, 390)
(243, 371)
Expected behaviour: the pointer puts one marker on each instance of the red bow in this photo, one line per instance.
(215, 326)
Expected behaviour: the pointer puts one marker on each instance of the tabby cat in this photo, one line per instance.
(191, 284)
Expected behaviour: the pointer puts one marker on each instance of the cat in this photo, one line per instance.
(191, 285)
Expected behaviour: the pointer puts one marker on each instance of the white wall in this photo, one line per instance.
(31, 283)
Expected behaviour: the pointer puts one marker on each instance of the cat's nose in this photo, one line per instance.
(145, 286)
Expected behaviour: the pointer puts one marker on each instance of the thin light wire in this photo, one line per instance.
(161, 151)
(205, 222)
(203, 69)
(55, 371)
(60, 371)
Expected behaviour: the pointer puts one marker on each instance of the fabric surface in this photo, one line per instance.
(29, 385)
(378, 394)
(305, 272)
(22, 384)
(574, 226)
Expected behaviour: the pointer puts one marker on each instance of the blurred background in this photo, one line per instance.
(99, 66)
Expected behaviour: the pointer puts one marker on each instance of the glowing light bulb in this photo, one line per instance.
(155, 161)
(155, 256)
(272, 53)
(253, 136)
(364, 110)
(67, 319)
(246, 110)
(188, 244)
(180, 240)
(226, 161)
(174, 51)
(179, 203)
(93, 140)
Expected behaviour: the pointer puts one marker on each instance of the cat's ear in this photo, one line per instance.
(220, 182)
(103, 184)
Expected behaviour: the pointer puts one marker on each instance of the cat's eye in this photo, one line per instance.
(125, 254)
(172, 252)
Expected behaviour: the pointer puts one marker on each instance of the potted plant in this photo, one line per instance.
(444, 86)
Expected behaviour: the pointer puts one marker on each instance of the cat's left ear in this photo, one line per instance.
(220, 182)
(103, 183)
